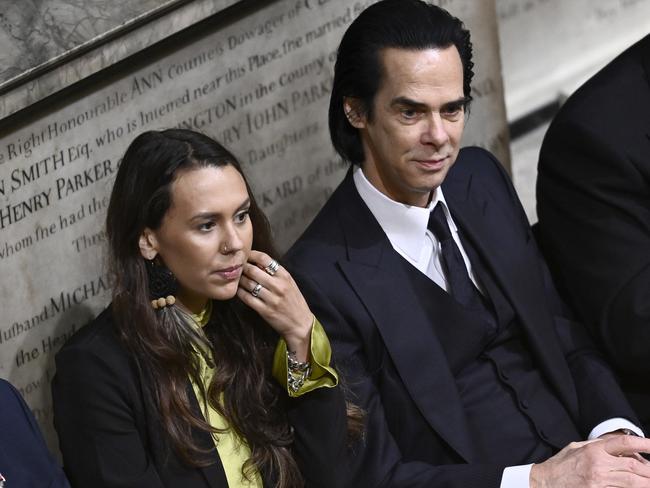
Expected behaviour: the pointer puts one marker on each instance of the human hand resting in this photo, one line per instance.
(278, 301)
(613, 461)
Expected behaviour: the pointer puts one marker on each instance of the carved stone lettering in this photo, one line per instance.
(260, 85)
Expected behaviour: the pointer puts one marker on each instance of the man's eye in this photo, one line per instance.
(452, 112)
(409, 113)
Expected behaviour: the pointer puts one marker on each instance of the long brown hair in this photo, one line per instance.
(163, 344)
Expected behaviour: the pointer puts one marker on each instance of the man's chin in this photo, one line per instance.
(431, 182)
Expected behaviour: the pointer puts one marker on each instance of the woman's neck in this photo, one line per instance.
(192, 305)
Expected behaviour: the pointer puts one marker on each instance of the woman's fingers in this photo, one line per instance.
(254, 288)
(252, 272)
(266, 263)
(280, 283)
(272, 292)
(259, 258)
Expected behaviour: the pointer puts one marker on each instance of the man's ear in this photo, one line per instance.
(354, 112)
(148, 244)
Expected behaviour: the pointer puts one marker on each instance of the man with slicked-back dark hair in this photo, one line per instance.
(422, 268)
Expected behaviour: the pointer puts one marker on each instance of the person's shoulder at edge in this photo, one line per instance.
(20, 430)
(8, 393)
(6, 388)
(17, 417)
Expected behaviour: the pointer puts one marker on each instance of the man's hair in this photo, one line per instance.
(358, 73)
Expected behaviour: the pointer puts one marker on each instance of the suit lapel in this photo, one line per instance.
(383, 285)
(507, 255)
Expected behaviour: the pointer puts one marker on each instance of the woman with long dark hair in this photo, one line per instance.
(171, 385)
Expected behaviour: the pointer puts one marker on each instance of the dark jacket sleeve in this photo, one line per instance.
(598, 392)
(24, 458)
(594, 210)
(376, 460)
(94, 414)
(320, 436)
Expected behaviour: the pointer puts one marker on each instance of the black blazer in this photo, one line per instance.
(388, 350)
(25, 461)
(110, 434)
(593, 201)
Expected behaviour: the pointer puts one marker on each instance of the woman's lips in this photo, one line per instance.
(230, 273)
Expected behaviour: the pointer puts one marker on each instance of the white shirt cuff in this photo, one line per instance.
(516, 477)
(519, 476)
(612, 425)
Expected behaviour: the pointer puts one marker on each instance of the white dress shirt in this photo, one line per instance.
(406, 229)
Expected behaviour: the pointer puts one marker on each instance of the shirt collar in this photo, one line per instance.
(203, 317)
(404, 225)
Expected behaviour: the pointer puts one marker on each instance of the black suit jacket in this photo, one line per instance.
(593, 197)
(389, 353)
(24, 459)
(110, 434)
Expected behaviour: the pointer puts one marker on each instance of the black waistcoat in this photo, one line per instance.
(514, 414)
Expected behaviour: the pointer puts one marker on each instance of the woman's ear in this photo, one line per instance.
(354, 112)
(148, 244)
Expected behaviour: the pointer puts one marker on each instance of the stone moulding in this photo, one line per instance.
(94, 55)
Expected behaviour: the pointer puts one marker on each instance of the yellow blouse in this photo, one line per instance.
(232, 449)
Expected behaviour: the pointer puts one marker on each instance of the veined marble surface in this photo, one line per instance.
(84, 36)
(35, 32)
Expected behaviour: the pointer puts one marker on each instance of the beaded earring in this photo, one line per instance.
(163, 285)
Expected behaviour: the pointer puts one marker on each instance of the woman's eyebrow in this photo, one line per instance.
(212, 215)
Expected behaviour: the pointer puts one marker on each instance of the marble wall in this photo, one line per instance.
(550, 47)
(48, 45)
(257, 79)
(34, 33)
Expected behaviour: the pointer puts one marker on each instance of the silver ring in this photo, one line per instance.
(256, 290)
(272, 268)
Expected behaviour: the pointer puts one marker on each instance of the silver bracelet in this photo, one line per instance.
(297, 372)
(627, 432)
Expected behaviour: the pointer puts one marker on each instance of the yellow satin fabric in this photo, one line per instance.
(232, 449)
(322, 374)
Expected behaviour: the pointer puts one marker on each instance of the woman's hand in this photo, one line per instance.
(278, 301)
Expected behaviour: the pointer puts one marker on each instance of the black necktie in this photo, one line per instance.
(460, 284)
